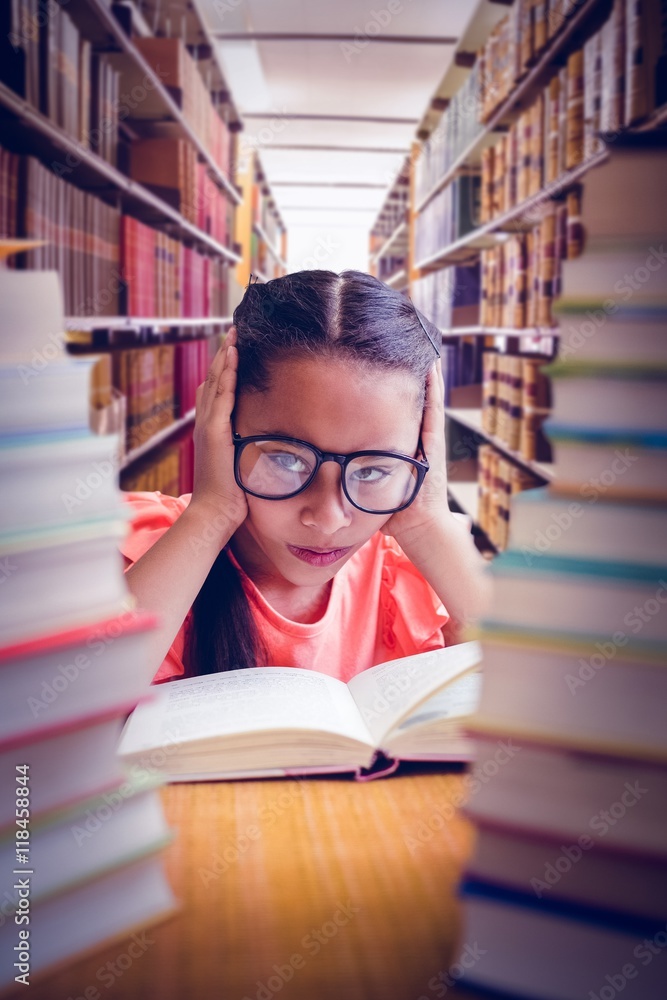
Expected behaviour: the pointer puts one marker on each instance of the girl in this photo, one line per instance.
(318, 533)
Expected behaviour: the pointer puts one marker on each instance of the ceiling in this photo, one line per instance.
(333, 118)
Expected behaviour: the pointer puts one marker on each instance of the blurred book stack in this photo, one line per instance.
(80, 838)
(566, 892)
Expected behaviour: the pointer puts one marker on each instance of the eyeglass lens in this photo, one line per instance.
(376, 482)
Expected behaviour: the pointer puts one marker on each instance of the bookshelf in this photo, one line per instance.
(260, 231)
(33, 133)
(157, 439)
(491, 182)
(587, 16)
(163, 85)
(88, 324)
(389, 238)
(472, 419)
(105, 31)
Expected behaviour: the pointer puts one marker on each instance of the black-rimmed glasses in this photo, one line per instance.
(276, 468)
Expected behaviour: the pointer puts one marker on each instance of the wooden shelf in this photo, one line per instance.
(400, 237)
(100, 178)
(270, 247)
(525, 91)
(157, 439)
(463, 490)
(110, 26)
(472, 418)
(501, 331)
(466, 497)
(518, 219)
(397, 280)
(89, 323)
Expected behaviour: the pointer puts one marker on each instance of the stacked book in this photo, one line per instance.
(80, 838)
(566, 892)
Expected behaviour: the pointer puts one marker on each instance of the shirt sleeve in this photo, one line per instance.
(411, 614)
(152, 514)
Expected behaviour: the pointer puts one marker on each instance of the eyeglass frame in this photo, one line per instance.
(329, 456)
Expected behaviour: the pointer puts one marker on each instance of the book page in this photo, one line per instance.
(458, 699)
(243, 701)
(388, 693)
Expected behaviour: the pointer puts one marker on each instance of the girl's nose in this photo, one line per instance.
(324, 504)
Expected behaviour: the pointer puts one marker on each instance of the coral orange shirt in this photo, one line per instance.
(380, 606)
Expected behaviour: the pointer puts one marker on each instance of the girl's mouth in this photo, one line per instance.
(318, 558)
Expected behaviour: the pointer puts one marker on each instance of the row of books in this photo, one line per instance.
(110, 264)
(516, 400)
(169, 168)
(45, 60)
(557, 132)
(570, 856)
(614, 80)
(450, 296)
(80, 230)
(458, 128)
(169, 470)
(623, 62)
(499, 479)
(452, 213)
(515, 284)
(86, 833)
(161, 277)
(521, 278)
(159, 383)
(394, 211)
(389, 265)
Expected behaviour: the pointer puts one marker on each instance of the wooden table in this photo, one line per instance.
(319, 889)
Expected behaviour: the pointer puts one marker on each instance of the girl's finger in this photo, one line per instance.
(224, 396)
(432, 406)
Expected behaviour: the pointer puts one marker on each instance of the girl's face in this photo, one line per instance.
(337, 408)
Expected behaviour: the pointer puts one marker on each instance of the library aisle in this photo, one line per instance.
(498, 166)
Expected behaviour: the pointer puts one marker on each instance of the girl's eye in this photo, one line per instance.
(288, 462)
(371, 474)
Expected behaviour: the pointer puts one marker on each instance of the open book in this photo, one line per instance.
(277, 721)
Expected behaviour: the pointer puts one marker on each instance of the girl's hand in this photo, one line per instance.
(214, 486)
(430, 505)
